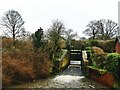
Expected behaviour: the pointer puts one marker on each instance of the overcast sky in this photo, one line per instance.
(75, 14)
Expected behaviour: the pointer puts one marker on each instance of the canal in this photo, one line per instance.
(71, 77)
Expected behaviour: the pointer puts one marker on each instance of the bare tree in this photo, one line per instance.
(69, 36)
(107, 29)
(102, 29)
(55, 33)
(13, 23)
(92, 29)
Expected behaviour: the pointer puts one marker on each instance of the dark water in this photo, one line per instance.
(72, 77)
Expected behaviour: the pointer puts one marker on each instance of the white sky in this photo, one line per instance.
(75, 14)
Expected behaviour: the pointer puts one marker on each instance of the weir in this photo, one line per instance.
(76, 58)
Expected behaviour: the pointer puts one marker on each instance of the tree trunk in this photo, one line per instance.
(14, 32)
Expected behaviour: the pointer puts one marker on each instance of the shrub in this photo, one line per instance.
(97, 50)
(94, 43)
(6, 80)
(20, 50)
(88, 48)
(46, 69)
(113, 62)
(77, 44)
(104, 45)
(99, 57)
(16, 71)
(22, 64)
(87, 43)
(100, 60)
(42, 65)
(7, 42)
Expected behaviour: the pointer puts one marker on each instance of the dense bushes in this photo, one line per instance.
(109, 62)
(22, 64)
(97, 50)
(16, 71)
(42, 65)
(113, 64)
(102, 58)
(107, 46)
(99, 57)
(77, 44)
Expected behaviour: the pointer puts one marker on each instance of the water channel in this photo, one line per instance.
(71, 77)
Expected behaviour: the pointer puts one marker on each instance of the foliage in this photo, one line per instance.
(38, 38)
(86, 43)
(54, 35)
(88, 48)
(60, 62)
(42, 64)
(69, 37)
(63, 44)
(13, 23)
(16, 71)
(94, 43)
(113, 62)
(99, 57)
(100, 61)
(17, 50)
(97, 50)
(21, 64)
(104, 44)
(77, 44)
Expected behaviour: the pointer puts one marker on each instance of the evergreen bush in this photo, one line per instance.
(113, 62)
